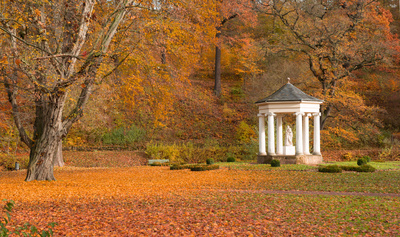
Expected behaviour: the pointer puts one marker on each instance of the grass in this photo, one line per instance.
(380, 166)
(388, 165)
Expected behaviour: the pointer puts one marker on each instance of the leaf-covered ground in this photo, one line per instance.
(227, 202)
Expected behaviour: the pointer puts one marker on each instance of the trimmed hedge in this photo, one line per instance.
(330, 169)
(366, 168)
(204, 167)
(335, 168)
(349, 168)
(210, 161)
(181, 166)
(194, 167)
(178, 167)
(159, 164)
(275, 163)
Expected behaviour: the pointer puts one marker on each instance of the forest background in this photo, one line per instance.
(184, 75)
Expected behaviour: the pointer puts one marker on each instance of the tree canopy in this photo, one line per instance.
(153, 63)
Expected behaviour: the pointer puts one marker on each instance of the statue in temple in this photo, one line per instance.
(289, 136)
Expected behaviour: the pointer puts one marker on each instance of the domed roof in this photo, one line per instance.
(289, 92)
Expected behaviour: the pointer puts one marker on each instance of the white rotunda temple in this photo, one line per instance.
(289, 100)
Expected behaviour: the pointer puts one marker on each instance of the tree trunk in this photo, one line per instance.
(217, 87)
(41, 161)
(325, 114)
(47, 138)
(58, 156)
(163, 57)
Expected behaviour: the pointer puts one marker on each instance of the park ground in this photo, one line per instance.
(239, 199)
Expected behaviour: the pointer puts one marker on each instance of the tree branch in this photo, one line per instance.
(12, 94)
(57, 55)
(23, 41)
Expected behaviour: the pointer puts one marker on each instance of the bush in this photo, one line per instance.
(204, 167)
(231, 159)
(362, 168)
(249, 150)
(210, 161)
(183, 166)
(161, 152)
(159, 164)
(366, 168)
(192, 153)
(349, 168)
(244, 133)
(348, 156)
(275, 163)
(178, 167)
(367, 158)
(361, 161)
(330, 169)
(124, 136)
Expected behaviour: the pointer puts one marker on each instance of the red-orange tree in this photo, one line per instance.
(335, 37)
(167, 50)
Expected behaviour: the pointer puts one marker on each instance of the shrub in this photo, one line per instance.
(249, 150)
(204, 167)
(389, 154)
(231, 159)
(124, 136)
(159, 164)
(184, 166)
(330, 169)
(244, 133)
(367, 158)
(275, 163)
(362, 168)
(366, 168)
(210, 161)
(349, 168)
(178, 167)
(192, 153)
(161, 152)
(361, 161)
(348, 156)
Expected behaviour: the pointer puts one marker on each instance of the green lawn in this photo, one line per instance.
(303, 177)
(380, 166)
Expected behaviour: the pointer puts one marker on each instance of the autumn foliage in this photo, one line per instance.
(145, 71)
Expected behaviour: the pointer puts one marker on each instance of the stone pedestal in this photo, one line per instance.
(289, 150)
(302, 159)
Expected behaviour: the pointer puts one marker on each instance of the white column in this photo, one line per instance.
(317, 150)
(299, 136)
(279, 135)
(261, 134)
(306, 135)
(271, 134)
